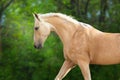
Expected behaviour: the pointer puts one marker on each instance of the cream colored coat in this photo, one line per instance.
(83, 44)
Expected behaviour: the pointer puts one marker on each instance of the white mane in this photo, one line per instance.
(63, 16)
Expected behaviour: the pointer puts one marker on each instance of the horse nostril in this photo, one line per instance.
(36, 28)
(35, 46)
(40, 46)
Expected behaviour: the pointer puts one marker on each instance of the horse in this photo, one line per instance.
(82, 43)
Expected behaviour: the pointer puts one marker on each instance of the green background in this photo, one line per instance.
(18, 58)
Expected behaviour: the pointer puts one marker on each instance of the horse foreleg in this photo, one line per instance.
(66, 67)
(84, 66)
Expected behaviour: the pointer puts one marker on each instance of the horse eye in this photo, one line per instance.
(36, 28)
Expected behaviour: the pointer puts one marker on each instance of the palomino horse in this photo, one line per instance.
(83, 45)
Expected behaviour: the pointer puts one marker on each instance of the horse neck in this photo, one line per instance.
(63, 28)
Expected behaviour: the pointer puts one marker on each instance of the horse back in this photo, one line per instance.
(104, 48)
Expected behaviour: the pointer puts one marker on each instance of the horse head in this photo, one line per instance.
(42, 30)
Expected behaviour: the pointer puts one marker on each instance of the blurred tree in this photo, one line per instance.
(0, 43)
(103, 10)
(20, 61)
(3, 6)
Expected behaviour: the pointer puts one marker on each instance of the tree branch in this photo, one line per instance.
(3, 8)
(6, 5)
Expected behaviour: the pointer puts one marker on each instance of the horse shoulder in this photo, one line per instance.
(79, 46)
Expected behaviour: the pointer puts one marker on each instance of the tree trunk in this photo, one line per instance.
(75, 7)
(0, 43)
(86, 7)
(3, 7)
(103, 8)
(59, 4)
(72, 6)
(78, 7)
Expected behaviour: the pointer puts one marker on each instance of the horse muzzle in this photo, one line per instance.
(38, 46)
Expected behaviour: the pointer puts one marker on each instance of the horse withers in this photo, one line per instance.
(83, 45)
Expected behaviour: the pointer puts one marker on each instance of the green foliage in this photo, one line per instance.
(20, 61)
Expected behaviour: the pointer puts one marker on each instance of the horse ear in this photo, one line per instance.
(36, 16)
